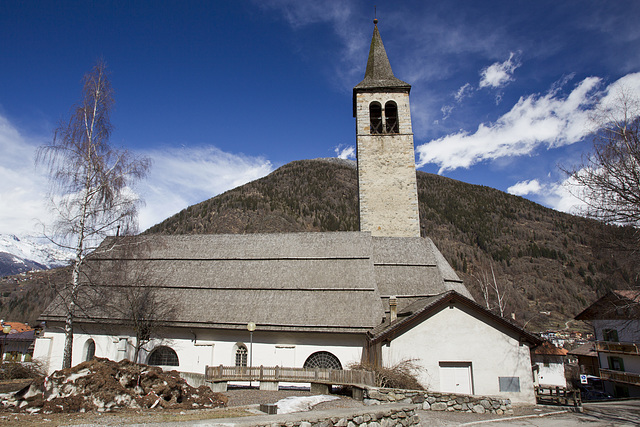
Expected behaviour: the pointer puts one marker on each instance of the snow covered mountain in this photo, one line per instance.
(18, 255)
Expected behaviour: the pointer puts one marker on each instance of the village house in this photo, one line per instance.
(548, 365)
(616, 324)
(328, 300)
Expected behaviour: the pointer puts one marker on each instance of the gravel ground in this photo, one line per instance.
(247, 396)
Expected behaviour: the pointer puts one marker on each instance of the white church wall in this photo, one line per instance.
(455, 345)
(198, 348)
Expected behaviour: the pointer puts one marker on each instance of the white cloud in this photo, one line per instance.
(446, 111)
(556, 195)
(348, 152)
(500, 73)
(22, 187)
(523, 188)
(177, 179)
(535, 120)
(182, 177)
(465, 91)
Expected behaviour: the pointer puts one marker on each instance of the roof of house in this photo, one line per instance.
(294, 281)
(17, 327)
(615, 305)
(547, 348)
(588, 349)
(424, 308)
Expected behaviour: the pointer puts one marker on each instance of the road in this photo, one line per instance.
(601, 414)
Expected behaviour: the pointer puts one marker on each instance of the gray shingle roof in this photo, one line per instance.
(379, 74)
(423, 308)
(294, 281)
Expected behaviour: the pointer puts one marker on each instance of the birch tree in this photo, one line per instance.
(91, 194)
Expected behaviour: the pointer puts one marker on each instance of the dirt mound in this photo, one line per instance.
(103, 385)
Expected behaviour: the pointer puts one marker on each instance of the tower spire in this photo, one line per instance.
(379, 74)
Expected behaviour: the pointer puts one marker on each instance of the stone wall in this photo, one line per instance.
(439, 401)
(386, 417)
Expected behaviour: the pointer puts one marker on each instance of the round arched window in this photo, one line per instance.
(322, 360)
(164, 356)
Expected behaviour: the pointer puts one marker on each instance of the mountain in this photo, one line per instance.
(548, 265)
(18, 255)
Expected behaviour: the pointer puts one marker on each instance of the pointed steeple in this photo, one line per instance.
(379, 74)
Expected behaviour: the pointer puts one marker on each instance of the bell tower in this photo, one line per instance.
(388, 194)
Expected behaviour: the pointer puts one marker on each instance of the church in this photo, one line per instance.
(328, 299)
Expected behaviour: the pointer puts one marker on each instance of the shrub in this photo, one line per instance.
(20, 370)
(403, 374)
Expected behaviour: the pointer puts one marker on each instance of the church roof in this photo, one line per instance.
(379, 74)
(324, 282)
(424, 308)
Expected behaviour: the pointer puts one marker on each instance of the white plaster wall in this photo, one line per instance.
(199, 348)
(552, 375)
(456, 335)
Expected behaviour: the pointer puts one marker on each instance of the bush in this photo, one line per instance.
(20, 370)
(403, 374)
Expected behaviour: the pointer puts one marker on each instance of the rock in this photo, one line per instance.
(370, 402)
(374, 424)
(431, 400)
(406, 400)
(499, 411)
(439, 406)
(305, 424)
(358, 420)
(418, 398)
(342, 422)
(479, 409)
(426, 406)
(366, 418)
(485, 403)
(457, 407)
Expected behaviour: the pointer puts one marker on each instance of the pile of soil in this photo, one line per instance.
(103, 385)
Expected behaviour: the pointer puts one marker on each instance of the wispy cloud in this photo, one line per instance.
(188, 175)
(21, 185)
(549, 120)
(557, 195)
(500, 73)
(178, 178)
(465, 91)
(348, 152)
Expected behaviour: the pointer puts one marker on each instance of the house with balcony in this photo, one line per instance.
(616, 322)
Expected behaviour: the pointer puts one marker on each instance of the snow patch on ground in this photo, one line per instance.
(301, 403)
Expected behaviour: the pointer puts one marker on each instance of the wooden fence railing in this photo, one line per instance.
(281, 373)
(620, 376)
(558, 396)
(618, 347)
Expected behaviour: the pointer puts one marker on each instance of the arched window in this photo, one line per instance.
(241, 355)
(323, 360)
(89, 350)
(391, 117)
(163, 356)
(375, 115)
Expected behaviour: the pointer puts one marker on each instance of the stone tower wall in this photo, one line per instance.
(386, 171)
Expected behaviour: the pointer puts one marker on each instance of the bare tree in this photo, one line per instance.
(91, 182)
(608, 179)
(135, 295)
(494, 294)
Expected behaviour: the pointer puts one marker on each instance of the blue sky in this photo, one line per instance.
(221, 93)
